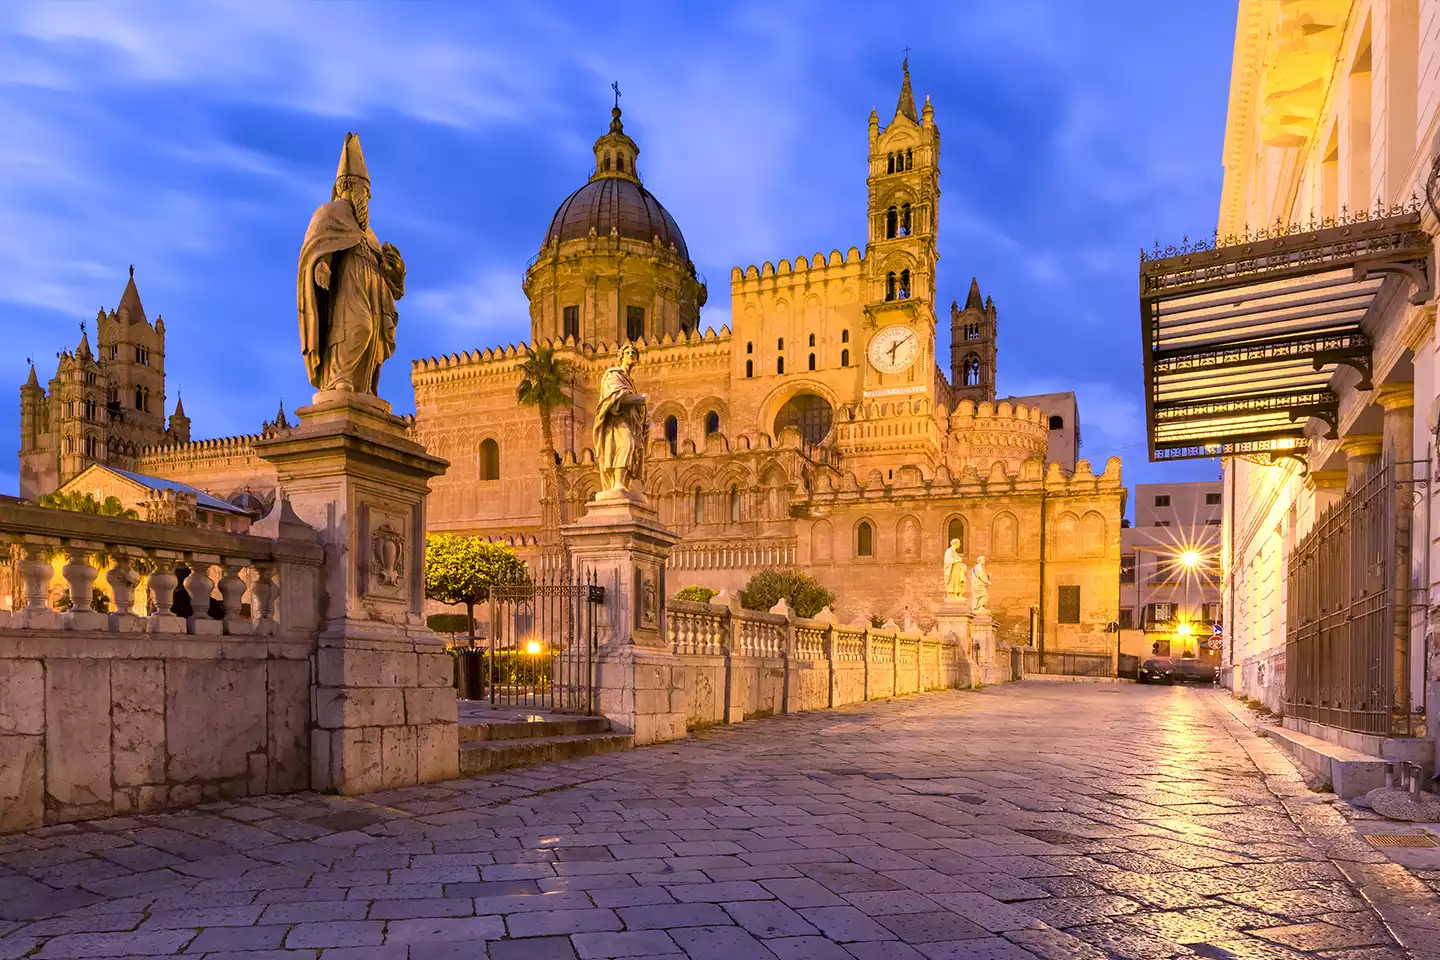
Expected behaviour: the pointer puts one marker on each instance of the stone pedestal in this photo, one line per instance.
(954, 617)
(982, 641)
(623, 543)
(384, 708)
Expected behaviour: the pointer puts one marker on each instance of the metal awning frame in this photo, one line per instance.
(1241, 336)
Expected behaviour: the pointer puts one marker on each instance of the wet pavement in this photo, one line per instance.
(1051, 820)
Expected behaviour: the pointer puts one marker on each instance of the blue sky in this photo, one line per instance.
(194, 140)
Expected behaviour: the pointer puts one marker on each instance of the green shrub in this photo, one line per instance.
(100, 601)
(449, 623)
(803, 592)
(877, 621)
(696, 594)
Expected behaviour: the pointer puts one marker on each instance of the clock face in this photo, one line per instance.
(894, 349)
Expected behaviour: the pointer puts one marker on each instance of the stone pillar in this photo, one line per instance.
(623, 543)
(1398, 402)
(1362, 452)
(1327, 486)
(955, 618)
(384, 708)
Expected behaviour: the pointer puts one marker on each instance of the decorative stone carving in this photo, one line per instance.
(979, 587)
(387, 548)
(954, 572)
(909, 539)
(347, 286)
(622, 428)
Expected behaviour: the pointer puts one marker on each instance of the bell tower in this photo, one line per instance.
(972, 347)
(904, 197)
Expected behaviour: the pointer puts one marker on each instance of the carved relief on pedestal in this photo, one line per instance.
(386, 552)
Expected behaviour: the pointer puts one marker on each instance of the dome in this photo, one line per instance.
(620, 203)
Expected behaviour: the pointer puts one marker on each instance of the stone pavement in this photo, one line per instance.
(1035, 819)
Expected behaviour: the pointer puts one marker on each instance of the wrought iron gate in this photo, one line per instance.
(541, 651)
(1347, 638)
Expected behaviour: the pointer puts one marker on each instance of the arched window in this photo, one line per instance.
(844, 336)
(606, 164)
(864, 539)
(890, 285)
(904, 285)
(489, 459)
(1057, 423)
(712, 423)
(780, 344)
(891, 222)
(620, 162)
(749, 369)
(844, 358)
(905, 220)
(779, 364)
(812, 339)
(890, 163)
(808, 413)
(909, 159)
(972, 331)
(69, 443)
(750, 347)
(812, 361)
(955, 530)
(142, 398)
(697, 508)
(672, 433)
(972, 371)
(734, 503)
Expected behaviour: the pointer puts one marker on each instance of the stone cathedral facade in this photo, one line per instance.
(820, 430)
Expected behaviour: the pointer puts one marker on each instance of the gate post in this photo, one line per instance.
(383, 709)
(622, 541)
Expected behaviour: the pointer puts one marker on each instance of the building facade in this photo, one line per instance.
(820, 431)
(1311, 320)
(1170, 572)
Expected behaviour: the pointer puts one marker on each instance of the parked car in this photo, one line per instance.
(1191, 670)
(1156, 670)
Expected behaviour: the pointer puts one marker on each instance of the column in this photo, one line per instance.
(1398, 402)
(1362, 453)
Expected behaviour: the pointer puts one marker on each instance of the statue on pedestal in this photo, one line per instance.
(979, 587)
(954, 573)
(622, 428)
(347, 286)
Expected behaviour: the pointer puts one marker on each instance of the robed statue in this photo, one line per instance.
(979, 587)
(954, 572)
(347, 287)
(622, 428)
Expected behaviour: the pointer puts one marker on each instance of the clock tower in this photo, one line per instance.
(904, 196)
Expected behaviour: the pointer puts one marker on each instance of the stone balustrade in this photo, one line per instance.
(731, 664)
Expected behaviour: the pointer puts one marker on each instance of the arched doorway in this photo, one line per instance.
(807, 412)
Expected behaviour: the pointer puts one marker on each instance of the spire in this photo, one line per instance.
(32, 382)
(83, 350)
(907, 97)
(179, 408)
(974, 301)
(130, 310)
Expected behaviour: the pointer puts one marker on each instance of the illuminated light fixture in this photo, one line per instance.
(1184, 629)
(1190, 558)
(533, 646)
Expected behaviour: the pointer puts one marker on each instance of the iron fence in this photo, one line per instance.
(1062, 663)
(1347, 644)
(540, 650)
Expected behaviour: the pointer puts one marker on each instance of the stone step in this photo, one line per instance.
(489, 730)
(488, 756)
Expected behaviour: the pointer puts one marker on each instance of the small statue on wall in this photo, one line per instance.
(954, 572)
(622, 428)
(979, 587)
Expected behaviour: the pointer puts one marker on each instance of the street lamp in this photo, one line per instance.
(533, 647)
(1190, 558)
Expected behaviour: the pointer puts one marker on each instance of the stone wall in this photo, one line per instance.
(96, 725)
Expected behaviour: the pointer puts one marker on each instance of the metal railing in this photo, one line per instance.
(541, 651)
(1347, 644)
(1064, 663)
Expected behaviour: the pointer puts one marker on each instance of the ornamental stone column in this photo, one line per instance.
(1362, 453)
(1398, 402)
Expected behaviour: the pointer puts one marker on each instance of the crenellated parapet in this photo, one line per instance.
(999, 479)
(803, 271)
(979, 433)
(493, 361)
(239, 446)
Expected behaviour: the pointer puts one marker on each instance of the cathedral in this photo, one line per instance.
(818, 430)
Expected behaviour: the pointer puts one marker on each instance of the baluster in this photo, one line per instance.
(162, 584)
(199, 586)
(80, 575)
(232, 598)
(264, 591)
(35, 573)
(122, 578)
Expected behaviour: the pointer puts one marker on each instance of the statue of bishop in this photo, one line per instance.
(622, 429)
(347, 287)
